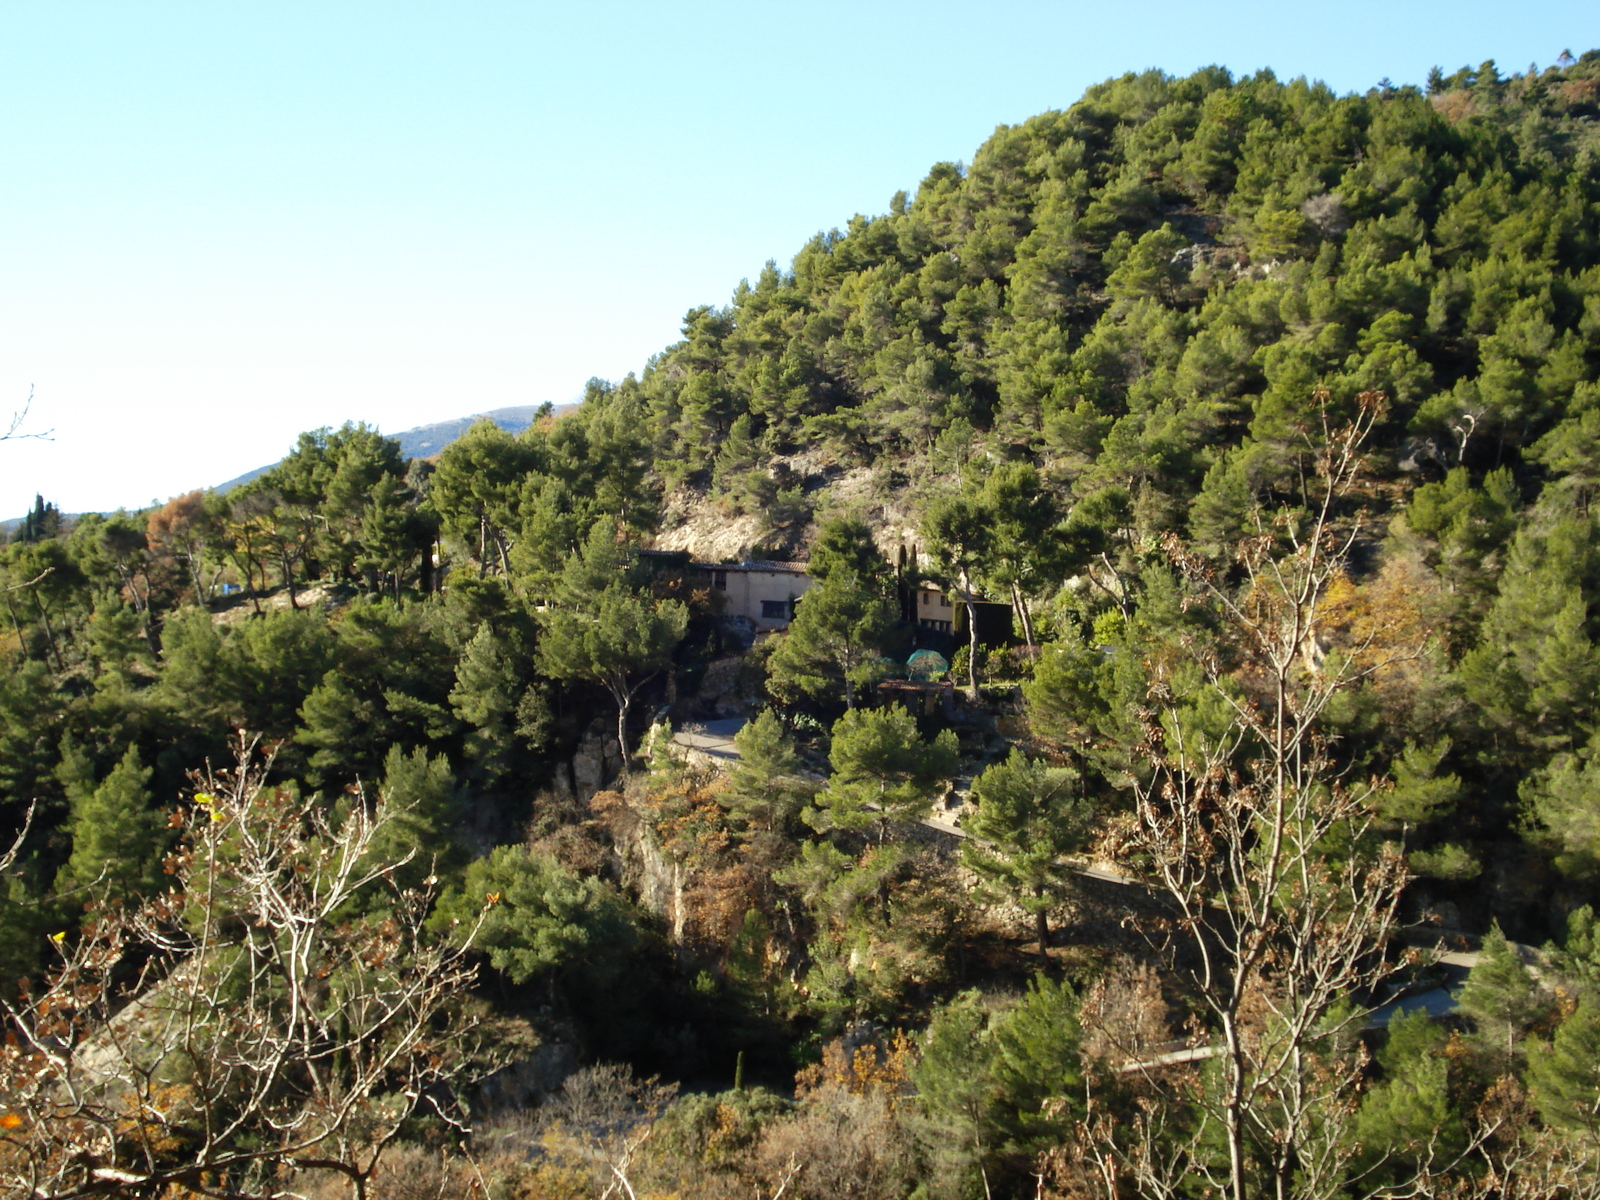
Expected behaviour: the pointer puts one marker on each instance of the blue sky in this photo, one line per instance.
(224, 223)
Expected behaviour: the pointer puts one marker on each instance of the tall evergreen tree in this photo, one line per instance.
(883, 771)
(834, 642)
(619, 641)
(116, 837)
(766, 786)
(1030, 815)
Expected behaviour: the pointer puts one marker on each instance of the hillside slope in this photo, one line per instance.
(425, 441)
(1141, 294)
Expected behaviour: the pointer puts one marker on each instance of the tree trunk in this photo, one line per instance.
(22, 642)
(250, 565)
(1020, 602)
(972, 635)
(624, 702)
(1233, 1110)
(49, 634)
(1120, 593)
(131, 583)
(288, 578)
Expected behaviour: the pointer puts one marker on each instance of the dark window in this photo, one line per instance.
(774, 610)
(719, 580)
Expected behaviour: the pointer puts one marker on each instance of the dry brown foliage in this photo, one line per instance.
(1579, 92)
(841, 1145)
(880, 1066)
(1125, 1015)
(715, 902)
(1455, 106)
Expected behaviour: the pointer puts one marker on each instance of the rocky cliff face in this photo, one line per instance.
(712, 530)
(593, 779)
(643, 869)
(707, 530)
(596, 762)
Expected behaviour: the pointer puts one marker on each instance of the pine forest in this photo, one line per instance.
(1165, 761)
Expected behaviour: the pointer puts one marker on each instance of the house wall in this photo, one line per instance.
(934, 610)
(765, 596)
(945, 613)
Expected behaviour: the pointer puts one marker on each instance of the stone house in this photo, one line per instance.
(762, 592)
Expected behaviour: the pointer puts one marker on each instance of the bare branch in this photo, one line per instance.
(17, 587)
(13, 430)
(9, 858)
(266, 1027)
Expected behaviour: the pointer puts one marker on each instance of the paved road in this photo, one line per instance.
(711, 738)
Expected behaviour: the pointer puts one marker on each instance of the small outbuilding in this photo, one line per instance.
(942, 611)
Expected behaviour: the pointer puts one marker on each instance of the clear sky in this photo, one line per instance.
(224, 223)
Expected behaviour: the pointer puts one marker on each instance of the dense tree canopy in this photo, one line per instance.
(1102, 374)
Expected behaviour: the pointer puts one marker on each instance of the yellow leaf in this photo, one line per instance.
(10, 1121)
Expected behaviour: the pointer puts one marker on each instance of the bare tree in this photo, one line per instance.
(1282, 900)
(245, 1026)
(1523, 1161)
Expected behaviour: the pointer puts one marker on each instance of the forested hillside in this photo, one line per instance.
(1274, 417)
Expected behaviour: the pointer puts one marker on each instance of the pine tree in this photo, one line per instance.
(959, 531)
(834, 642)
(883, 771)
(192, 675)
(766, 789)
(1409, 1123)
(1565, 1074)
(116, 837)
(1038, 1066)
(545, 921)
(1023, 514)
(956, 1088)
(1500, 996)
(485, 699)
(422, 805)
(620, 641)
(844, 546)
(1029, 815)
(1560, 798)
(116, 642)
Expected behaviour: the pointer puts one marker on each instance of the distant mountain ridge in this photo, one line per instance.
(424, 441)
